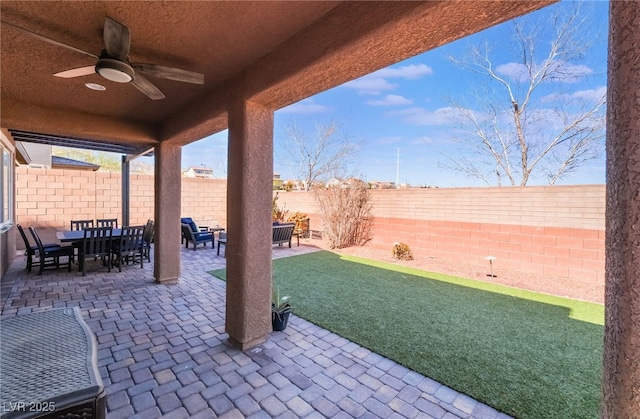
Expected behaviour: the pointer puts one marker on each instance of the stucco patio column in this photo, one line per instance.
(168, 184)
(249, 198)
(621, 379)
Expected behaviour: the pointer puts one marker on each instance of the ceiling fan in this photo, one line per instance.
(113, 63)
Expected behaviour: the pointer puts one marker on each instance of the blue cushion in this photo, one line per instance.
(186, 220)
(203, 236)
(194, 227)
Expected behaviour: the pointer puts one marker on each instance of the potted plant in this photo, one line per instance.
(280, 311)
(278, 215)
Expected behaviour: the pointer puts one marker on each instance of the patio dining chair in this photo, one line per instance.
(77, 225)
(81, 224)
(147, 238)
(31, 250)
(96, 243)
(129, 246)
(222, 240)
(107, 222)
(50, 256)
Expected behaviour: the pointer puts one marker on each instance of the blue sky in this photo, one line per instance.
(404, 107)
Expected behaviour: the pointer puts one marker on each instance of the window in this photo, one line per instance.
(6, 195)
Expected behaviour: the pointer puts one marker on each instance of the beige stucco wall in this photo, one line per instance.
(7, 237)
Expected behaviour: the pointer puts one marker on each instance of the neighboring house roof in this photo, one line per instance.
(65, 163)
(22, 154)
(204, 168)
(199, 171)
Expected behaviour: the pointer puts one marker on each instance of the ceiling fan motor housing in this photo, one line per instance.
(114, 70)
(113, 63)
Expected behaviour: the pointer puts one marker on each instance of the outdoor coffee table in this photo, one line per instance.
(213, 231)
(48, 367)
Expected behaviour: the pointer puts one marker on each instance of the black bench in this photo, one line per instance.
(282, 234)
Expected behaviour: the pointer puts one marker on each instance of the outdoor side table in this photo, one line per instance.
(48, 367)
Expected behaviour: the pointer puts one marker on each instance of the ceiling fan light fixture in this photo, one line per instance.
(114, 70)
(95, 86)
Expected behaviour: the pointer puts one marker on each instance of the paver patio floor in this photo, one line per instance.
(163, 351)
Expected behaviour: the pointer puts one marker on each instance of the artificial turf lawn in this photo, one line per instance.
(529, 355)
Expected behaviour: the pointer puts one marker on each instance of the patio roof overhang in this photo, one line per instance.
(63, 141)
(275, 53)
(256, 57)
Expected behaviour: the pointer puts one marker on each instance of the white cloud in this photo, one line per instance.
(391, 100)
(560, 71)
(514, 71)
(409, 72)
(370, 85)
(422, 116)
(569, 73)
(588, 95)
(376, 83)
(305, 107)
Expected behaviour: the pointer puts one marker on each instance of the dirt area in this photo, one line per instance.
(563, 287)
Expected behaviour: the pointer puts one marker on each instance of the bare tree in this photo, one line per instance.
(317, 157)
(530, 122)
(346, 214)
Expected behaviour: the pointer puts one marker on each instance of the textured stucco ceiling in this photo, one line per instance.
(273, 52)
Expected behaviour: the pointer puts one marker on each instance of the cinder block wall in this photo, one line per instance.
(205, 200)
(50, 198)
(555, 230)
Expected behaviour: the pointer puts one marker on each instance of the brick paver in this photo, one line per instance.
(162, 351)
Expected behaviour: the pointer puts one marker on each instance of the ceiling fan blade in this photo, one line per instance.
(146, 87)
(49, 40)
(169, 73)
(117, 39)
(76, 72)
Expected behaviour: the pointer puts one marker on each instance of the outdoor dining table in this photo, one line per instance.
(69, 236)
(49, 367)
